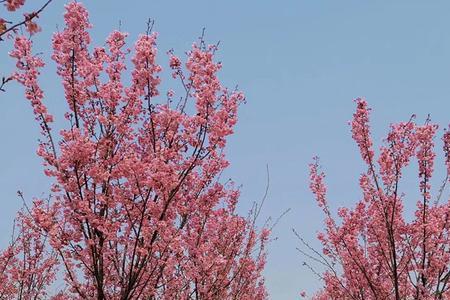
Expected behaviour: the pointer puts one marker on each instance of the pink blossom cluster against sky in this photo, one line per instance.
(300, 64)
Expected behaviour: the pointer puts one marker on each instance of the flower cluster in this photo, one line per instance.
(13, 5)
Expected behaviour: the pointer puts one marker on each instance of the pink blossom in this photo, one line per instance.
(13, 5)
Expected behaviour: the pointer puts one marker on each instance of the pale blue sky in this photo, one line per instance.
(300, 64)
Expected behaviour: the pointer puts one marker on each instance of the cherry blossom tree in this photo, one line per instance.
(137, 209)
(372, 251)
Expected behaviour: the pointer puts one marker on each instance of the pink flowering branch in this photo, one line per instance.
(27, 21)
(8, 29)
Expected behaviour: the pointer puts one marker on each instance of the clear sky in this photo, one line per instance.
(300, 64)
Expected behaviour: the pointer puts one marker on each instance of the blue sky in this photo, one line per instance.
(300, 64)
